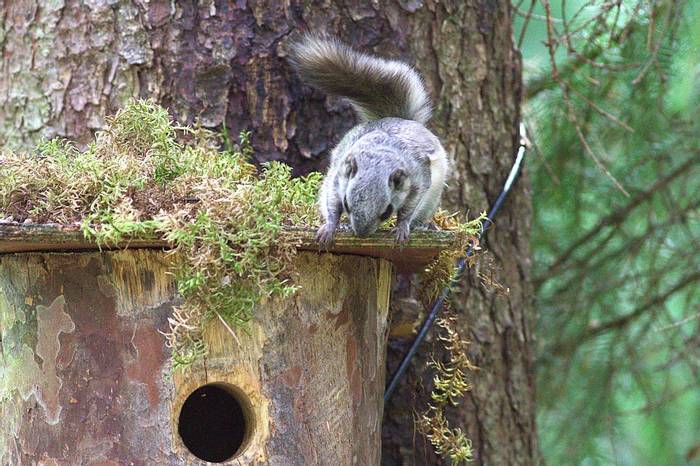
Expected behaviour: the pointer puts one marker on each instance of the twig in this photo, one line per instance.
(571, 114)
(525, 22)
(230, 330)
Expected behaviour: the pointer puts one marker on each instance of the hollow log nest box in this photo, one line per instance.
(85, 376)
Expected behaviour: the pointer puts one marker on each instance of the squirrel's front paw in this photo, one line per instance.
(325, 235)
(402, 232)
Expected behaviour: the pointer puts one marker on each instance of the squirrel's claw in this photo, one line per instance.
(402, 232)
(325, 235)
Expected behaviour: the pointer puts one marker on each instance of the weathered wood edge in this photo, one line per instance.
(422, 247)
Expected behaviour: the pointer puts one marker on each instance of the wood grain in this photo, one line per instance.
(414, 256)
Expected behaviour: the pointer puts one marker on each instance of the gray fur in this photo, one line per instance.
(389, 160)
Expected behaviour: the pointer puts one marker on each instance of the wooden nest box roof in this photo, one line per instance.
(421, 249)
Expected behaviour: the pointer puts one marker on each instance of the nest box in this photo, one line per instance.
(85, 376)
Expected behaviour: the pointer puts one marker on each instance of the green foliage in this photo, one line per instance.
(616, 276)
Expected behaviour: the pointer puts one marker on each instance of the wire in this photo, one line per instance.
(461, 265)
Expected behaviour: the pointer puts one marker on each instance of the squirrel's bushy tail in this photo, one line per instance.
(376, 87)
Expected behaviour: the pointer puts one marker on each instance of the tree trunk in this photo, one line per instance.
(68, 64)
(466, 52)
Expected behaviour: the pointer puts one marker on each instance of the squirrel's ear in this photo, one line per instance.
(350, 167)
(397, 179)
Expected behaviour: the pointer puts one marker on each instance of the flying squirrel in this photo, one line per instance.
(390, 163)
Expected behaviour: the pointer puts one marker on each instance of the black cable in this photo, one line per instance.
(460, 266)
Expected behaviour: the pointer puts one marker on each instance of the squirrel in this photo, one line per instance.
(390, 163)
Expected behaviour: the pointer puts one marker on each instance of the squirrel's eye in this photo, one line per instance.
(387, 213)
(345, 204)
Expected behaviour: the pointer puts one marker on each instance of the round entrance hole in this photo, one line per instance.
(216, 422)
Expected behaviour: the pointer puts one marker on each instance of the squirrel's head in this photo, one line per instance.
(374, 191)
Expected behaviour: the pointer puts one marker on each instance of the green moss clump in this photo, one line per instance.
(441, 271)
(231, 249)
(145, 176)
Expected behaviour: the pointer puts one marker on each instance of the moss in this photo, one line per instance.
(450, 375)
(450, 385)
(144, 175)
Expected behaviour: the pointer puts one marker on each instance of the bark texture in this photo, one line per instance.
(466, 52)
(66, 64)
(85, 375)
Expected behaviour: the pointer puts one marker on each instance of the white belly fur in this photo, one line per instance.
(438, 175)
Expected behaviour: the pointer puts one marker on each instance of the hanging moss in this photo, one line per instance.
(450, 385)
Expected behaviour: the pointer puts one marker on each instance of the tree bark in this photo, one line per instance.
(67, 64)
(466, 52)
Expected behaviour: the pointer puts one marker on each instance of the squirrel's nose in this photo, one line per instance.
(361, 229)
